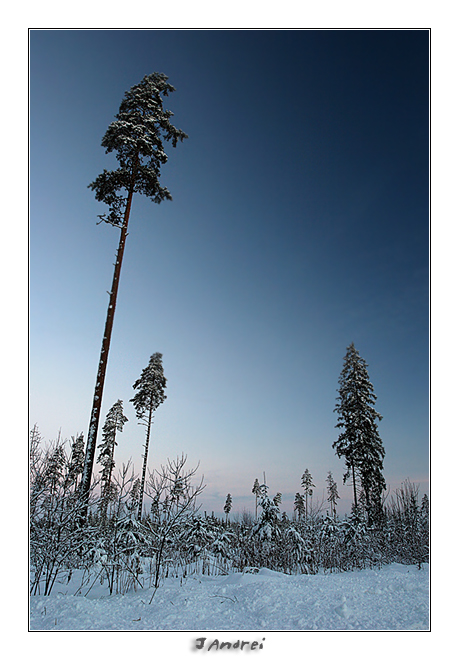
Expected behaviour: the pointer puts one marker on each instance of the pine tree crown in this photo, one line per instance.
(136, 136)
(150, 386)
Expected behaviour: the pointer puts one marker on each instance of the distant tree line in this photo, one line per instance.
(173, 537)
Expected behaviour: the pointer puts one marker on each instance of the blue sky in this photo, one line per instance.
(299, 224)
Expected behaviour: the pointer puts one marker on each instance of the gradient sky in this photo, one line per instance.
(299, 224)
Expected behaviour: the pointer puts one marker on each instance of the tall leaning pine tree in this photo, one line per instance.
(359, 440)
(136, 137)
(150, 394)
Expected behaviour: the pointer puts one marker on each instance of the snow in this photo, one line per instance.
(394, 598)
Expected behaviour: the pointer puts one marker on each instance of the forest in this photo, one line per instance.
(173, 537)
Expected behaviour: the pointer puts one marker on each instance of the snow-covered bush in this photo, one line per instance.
(57, 538)
(356, 551)
(296, 551)
(329, 543)
(173, 509)
(407, 523)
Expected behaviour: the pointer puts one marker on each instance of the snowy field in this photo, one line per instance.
(394, 598)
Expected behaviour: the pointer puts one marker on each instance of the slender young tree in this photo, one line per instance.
(307, 483)
(114, 422)
(256, 492)
(136, 137)
(77, 458)
(359, 441)
(35, 466)
(150, 394)
(227, 507)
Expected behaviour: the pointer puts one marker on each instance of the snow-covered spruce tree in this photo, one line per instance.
(359, 441)
(266, 531)
(299, 505)
(332, 493)
(307, 483)
(150, 394)
(77, 459)
(114, 422)
(137, 136)
(228, 506)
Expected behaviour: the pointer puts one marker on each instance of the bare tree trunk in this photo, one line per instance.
(144, 467)
(85, 483)
(354, 483)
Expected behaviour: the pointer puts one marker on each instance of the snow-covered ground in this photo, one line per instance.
(395, 597)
